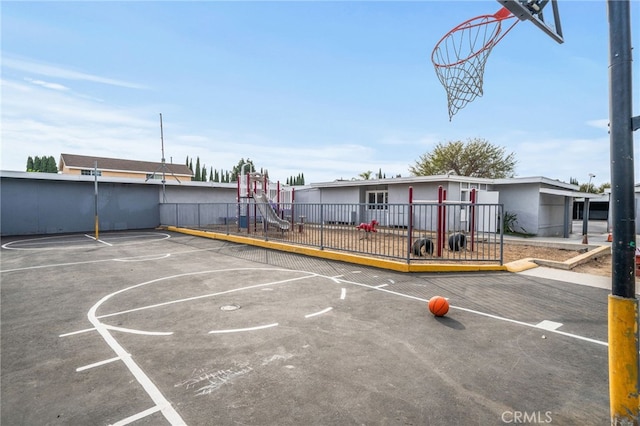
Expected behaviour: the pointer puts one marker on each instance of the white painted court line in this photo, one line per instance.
(123, 259)
(189, 299)
(133, 331)
(549, 325)
(382, 285)
(77, 332)
(99, 363)
(343, 293)
(574, 336)
(324, 311)
(98, 240)
(136, 417)
(143, 258)
(55, 265)
(238, 330)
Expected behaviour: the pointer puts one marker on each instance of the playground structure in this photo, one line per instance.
(267, 202)
(465, 231)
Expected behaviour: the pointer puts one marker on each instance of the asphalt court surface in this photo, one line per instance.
(159, 328)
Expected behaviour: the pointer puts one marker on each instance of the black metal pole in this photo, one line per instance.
(622, 304)
(585, 221)
(621, 141)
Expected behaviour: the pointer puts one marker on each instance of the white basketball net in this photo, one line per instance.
(460, 56)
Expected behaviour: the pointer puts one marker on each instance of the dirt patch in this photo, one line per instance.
(513, 252)
(600, 266)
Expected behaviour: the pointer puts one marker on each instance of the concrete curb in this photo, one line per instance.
(340, 256)
(594, 252)
(575, 261)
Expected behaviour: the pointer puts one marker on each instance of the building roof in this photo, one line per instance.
(118, 165)
(449, 178)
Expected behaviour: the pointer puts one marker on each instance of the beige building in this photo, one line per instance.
(71, 164)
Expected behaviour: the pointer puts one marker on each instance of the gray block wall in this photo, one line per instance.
(47, 206)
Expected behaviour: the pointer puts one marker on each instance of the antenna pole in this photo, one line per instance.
(164, 194)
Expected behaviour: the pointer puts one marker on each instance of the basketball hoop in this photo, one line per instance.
(460, 56)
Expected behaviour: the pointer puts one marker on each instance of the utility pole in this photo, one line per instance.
(622, 303)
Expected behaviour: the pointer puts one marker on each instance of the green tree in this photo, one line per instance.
(365, 175)
(197, 176)
(37, 164)
(604, 186)
(211, 175)
(51, 165)
(30, 164)
(588, 187)
(237, 169)
(203, 175)
(475, 158)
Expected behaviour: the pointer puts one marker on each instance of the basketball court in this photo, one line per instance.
(152, 328)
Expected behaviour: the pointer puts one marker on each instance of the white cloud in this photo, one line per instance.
(55, 71)
(39, 121)
(47, 85)
(599, 124)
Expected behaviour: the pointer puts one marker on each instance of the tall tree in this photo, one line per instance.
(30, 167)
(475, 158)
(197, 176)
(51, 165)
(237, 169)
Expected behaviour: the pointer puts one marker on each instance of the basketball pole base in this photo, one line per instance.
(623, 360)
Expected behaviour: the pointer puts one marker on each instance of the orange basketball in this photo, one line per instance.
(438, 306)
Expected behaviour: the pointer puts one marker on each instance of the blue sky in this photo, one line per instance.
(327, 88)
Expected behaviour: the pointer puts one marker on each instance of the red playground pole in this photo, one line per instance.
(473, 217)
(410, 224)
(444, 217)
(439, 234)
(238, 200)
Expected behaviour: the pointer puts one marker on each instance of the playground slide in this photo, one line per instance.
(268, 213)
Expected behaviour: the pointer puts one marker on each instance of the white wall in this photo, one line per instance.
(523, 200)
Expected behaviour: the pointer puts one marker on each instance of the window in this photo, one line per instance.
(377, 200)
(89, 172)
(154, 176)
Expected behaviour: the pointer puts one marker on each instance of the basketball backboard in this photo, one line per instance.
(542, 13)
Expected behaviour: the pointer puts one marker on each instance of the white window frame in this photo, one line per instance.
(381, 197)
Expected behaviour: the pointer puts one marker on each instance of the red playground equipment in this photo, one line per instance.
(368, 227)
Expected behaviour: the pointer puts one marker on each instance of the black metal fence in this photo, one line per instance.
(418, 232)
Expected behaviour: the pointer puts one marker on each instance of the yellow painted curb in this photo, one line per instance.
(521, 265)
(339, 256)
(623, 360)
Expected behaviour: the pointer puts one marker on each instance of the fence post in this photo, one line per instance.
(440, 226)
(321, 227)
(472, 217)
(410, 225)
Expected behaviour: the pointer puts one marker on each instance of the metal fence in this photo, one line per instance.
(417, 232)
